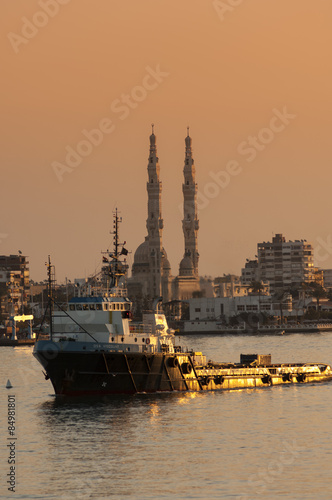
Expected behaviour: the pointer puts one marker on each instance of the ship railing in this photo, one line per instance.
(118, 292)
(101, 291)
(43, 336)
(140, 328)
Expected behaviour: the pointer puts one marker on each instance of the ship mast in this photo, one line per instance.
(116, 268)
(51, 280)
(117, 219)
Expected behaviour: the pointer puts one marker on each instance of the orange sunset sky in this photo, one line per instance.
(252, 79)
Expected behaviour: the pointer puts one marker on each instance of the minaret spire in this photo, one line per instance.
(154, 222)
(190, 222)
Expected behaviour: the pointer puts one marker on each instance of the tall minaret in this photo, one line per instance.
(154, 223)
(190, 222)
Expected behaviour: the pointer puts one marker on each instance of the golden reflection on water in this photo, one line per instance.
(186, 397)
(154, 410)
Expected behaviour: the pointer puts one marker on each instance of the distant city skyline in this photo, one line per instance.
(81, 87)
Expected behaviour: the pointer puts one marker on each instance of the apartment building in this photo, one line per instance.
(14, 284)
(285, 264)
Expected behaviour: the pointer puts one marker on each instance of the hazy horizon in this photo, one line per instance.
(252, 82)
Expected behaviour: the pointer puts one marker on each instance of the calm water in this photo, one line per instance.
(243, 445)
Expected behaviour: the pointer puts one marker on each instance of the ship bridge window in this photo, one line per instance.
(105, 307)
(118, 306)
(121, 307)
(92, 307)
(85, 307)
(71, 307)
(252, 308)
(98, 307)
(127, 307)
(78, 307)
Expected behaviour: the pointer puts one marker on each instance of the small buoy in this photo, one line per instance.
(8, 385)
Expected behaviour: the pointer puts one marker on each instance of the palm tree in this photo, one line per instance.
(279, 297)
(318, 292)
(256, 286)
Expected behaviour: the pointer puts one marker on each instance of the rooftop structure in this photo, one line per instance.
(232, 286)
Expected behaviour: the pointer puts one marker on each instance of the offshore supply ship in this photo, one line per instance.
(94, 348)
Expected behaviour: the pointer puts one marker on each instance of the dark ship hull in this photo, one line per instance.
(77, 370)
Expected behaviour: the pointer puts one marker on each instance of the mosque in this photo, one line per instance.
(151, 270)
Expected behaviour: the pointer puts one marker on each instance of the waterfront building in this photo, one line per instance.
(14, 284)
(206, 286)
(285, 264)
(250, 272)
(327, 278)
(231, 286)
(224, 308)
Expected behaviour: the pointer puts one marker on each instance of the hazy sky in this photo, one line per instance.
(252, 81)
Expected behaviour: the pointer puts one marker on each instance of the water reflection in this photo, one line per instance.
(117, 409)
(117, 440)
(257, 443)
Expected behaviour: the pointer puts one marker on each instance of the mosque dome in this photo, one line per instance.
(142, 256)
(166, 263)
(186, 267)
(142, 253)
